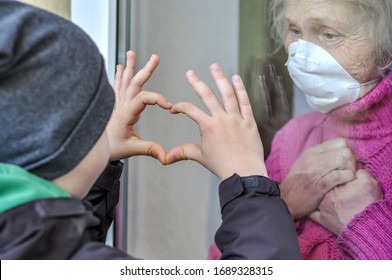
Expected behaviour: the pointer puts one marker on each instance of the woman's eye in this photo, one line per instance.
(296, 32)
(330, 36)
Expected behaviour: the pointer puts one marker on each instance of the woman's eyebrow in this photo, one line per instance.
(314, 21)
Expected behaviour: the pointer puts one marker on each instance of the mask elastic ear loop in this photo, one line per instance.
(364, 84)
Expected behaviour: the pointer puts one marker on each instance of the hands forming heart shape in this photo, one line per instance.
(230, 141)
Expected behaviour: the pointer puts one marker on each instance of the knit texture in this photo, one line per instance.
(367, 125)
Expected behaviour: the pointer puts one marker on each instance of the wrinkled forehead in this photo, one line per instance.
(342, 14)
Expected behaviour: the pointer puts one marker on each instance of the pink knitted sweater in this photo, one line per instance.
(367, 125)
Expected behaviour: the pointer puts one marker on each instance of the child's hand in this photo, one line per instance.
(130, 103)
(230, 141)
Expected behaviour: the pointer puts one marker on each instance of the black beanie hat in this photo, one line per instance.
(55, 98)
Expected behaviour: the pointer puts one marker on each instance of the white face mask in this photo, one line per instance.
(325, 83)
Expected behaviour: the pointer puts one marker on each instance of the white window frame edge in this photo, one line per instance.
(98, 18)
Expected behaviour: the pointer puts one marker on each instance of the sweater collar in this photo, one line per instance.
(369, 116)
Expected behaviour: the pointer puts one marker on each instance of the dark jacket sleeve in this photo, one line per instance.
(104, 197)
(256, 223)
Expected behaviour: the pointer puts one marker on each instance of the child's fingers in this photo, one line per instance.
(204, 92)
(146, 148)
(139, 103)
(182, 152)
(229, 97)
(117, 81)
(131, 63)
(191, 111)
(129, 71)
(142, 77)
(242, 98)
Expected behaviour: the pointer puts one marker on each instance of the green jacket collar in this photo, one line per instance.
(17, 186)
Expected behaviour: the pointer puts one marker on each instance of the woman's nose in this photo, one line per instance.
(309, 37)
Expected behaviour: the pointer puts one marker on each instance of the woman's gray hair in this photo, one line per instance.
(378, 13)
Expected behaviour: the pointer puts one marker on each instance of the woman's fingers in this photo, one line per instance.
(329, 145)
(316, 216)
(335, 178)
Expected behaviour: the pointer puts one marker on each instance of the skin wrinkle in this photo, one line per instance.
(347, 39)
(183, 154)
(150, 151)
(360, 62)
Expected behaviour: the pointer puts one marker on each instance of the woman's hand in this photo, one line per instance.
(131, 101)
(342, 203)
(318, 170)
(230, 141)
(268, 97)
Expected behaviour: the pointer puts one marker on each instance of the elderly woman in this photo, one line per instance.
(334, 166)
